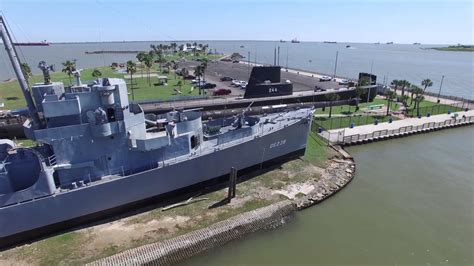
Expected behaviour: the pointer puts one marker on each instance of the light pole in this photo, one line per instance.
(248, 61)
(335, 65)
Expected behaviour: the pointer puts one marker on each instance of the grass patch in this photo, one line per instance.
(317, 150)
(349, 110)
(346, 121)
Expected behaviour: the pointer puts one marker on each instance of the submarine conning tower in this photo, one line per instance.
(265, 81)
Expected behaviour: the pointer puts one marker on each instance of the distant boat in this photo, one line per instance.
(43, 43)
(376, 43)
(242, 46)
(329, 42)
(295, 41)
(390, 43)
(348, 46)
(416, 43)
(282, 41)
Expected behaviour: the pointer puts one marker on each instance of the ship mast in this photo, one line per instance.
(19, 74)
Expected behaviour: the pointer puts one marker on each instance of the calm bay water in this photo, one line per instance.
(411, 202)
(397, 61)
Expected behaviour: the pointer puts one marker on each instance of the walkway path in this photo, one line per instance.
(338, 135)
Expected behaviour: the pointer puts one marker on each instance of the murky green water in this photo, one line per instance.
(411, 202)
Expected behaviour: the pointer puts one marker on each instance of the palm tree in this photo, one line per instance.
(25, 68)
(395, 83)
(96, 73)
(148, 61)
(358, 93)
(418, 92)
(426, 83)
(131, 69)
(331, 97)
(141, 58)
(391, 95)
(69, 68)
(198, 72)
(404, 84)
(404, 100)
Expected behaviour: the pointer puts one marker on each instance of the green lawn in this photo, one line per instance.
(349, 110)
(346, 121)
(317, 150)
(10, 92)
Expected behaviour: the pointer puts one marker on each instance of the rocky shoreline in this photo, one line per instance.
(337, 175)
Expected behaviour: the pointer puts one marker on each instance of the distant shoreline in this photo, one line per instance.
(457, 48)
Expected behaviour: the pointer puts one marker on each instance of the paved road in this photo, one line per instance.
(301, 82)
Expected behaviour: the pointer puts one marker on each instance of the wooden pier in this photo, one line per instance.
(400, 128)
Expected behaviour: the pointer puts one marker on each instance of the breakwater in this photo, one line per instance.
(336, 176)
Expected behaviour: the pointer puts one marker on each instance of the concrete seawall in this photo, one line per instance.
(182, 247)
(336, 176)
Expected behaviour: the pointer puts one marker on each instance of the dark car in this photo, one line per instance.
(235, 61)
(226, 78)
(222, 92)
(208, 86)
(189, 77)
(317, 88)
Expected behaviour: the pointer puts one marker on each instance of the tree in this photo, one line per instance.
(69, 68)
(25, 68)
(404, 100)
(198, 72)
(418, 92)
(114, 65)
(204, 66)
(131, 69)
(141, 58)
(358, 93)
(426, 83)
(404, 84)
(148, 61)
(331, 97)
(391, 95)
(96, 73)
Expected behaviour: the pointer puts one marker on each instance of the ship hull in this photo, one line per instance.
(35, 218)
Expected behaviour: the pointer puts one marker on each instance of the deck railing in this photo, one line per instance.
(402, 130)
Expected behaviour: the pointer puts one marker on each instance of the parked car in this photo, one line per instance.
(221, 92)
(235, 61)
(344, 82)
(189, 77)
(243, 84)
(226, 78)
(325, 78)
(317, 88)
(236, 83)
(226, 59)
(208, 85)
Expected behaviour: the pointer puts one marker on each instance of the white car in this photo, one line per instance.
(236, 83)
(325, 78)
(343, 82)
(243, 84)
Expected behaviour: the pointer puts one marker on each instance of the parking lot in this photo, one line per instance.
(216, 70)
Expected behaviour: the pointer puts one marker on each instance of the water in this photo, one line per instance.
(397, 61)
(411, 202)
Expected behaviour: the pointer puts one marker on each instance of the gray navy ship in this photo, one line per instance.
(98, 153)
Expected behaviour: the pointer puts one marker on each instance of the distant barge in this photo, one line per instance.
(113, 52)
(43, 43)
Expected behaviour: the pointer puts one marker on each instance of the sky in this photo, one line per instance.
(402, 21)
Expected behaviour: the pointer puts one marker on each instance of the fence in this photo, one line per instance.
(438, 109)
(326, 123)
(403, 130)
